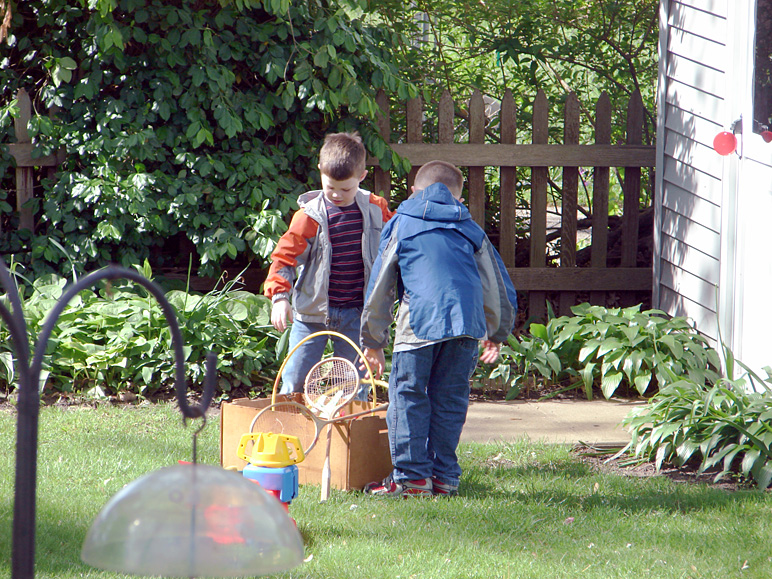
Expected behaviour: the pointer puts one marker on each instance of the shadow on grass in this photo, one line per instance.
(574, 484)
(501, 506)
(59, 539)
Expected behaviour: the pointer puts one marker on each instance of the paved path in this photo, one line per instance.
(561, 421)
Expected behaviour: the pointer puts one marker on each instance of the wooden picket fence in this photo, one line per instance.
(563, 285)
(537, 281)
(22, 151)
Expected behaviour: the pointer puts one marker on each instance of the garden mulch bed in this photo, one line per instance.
(603, 462)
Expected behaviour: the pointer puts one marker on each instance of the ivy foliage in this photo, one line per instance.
(182, 122)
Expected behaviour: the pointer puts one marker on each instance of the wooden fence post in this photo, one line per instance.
(414, 131)
(381, 178)
(632, 184)
(24, 174)
(508, 177)
(600, 190)
(569, 200)
(445, 116)
(477, 174)
(537, 304)
(27, 162)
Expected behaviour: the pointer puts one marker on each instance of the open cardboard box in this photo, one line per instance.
(359, 452)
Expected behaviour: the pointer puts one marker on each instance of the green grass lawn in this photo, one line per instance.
(525, 510)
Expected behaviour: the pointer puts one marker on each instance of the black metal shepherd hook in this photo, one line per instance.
(23, 550)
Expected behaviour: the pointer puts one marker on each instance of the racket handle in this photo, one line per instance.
(326, 469)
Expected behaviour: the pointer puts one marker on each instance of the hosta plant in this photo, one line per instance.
(607, 347)
(116, 339)
(724, 426)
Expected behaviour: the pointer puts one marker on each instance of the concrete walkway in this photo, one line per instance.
(560, 421)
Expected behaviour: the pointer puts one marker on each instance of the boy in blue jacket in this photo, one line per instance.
(454, 295)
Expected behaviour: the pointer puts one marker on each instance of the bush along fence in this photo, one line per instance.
(615, 266)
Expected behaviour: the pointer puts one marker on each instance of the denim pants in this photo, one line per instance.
(344, 321)
(428, 401)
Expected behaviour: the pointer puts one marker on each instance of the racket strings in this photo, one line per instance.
(283, 419)
(330, 384)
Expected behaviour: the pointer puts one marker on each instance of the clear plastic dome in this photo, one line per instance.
(193, 521)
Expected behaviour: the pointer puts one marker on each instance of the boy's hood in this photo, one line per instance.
(435, 203)
(308, 196)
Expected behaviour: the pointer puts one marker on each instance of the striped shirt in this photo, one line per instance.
(347, 271)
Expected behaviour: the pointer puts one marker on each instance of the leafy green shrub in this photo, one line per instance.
(606, 347)
(724, 425)
(117, 339)
(182, 122)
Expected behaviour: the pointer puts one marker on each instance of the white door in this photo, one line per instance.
(752, 190)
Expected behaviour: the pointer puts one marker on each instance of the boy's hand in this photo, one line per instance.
(376, 360)
(281, 314)
(490, 351)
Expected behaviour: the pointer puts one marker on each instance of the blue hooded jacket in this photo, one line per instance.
(449, 279)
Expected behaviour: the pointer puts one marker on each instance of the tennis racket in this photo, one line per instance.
(330, 385)
(361, 357)
(283, 418)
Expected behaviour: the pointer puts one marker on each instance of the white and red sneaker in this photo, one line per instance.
(444, 489)
(406, 488)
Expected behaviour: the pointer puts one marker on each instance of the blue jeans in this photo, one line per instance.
(428, 401)
(344, 321)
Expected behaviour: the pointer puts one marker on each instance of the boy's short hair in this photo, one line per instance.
(440, 172)
(342, 156)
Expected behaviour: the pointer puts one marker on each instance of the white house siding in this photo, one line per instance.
(691, 109)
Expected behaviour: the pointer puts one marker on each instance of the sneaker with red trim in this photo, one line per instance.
(444, 489)
(406, 488)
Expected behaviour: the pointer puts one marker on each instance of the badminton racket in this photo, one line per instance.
(282, 418)
(330, 385)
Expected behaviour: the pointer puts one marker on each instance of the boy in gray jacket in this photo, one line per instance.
(321, 265)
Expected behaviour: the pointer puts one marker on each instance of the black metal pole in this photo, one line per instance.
(23, 550)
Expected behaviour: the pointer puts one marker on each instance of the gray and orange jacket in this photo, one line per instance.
(300, 263)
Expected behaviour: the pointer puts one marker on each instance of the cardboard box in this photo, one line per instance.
(359, 451)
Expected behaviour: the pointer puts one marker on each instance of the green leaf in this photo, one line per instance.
(763, 476)
(6, 362)
(608, 345)
(67, 63)
(538, 331)
(108, 230)
(588, 378)
(676, 348)
(554, 362)
(685, 451)
(662, 430)
(663, 454)
(588, 350)
(321, 59)
(609, 383)
(749, 460)
(642, 382)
